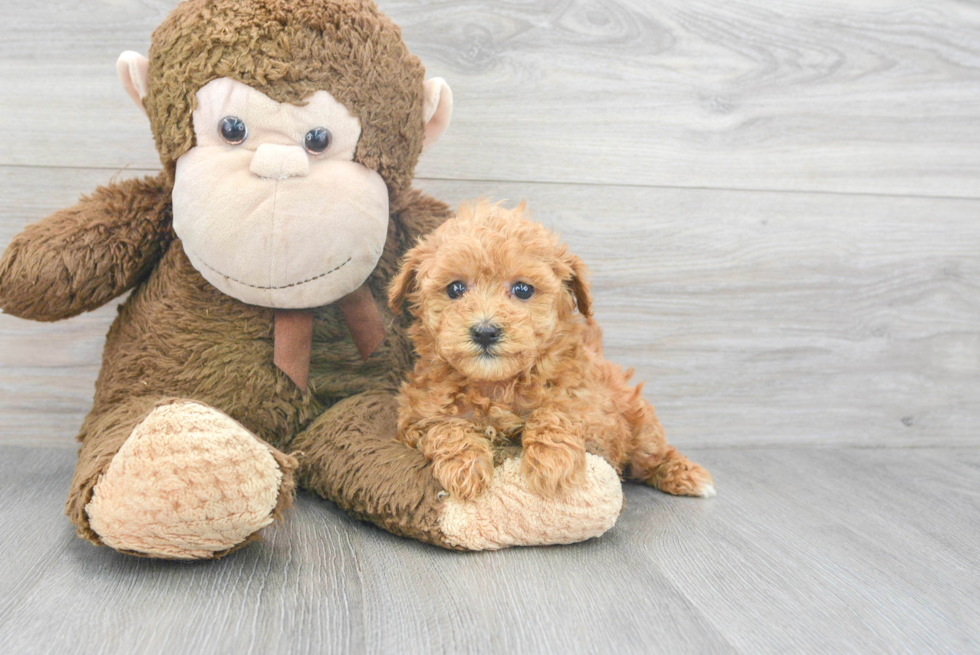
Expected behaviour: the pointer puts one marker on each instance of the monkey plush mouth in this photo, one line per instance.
(307, 244)
(282, 286)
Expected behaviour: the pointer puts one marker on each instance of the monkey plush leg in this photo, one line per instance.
(509, 513)
(349, 455)
(658, 464)
(175, 479)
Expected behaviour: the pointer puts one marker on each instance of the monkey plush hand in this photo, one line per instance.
(288, 131)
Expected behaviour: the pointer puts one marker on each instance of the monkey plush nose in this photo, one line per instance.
(485, 335)
(275, 162)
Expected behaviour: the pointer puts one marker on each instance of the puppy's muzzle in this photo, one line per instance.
(485, 335)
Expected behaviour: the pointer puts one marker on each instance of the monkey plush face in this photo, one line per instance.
(270, 205)
(306, 116)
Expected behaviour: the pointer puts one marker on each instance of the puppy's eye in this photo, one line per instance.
(317, 140)
(522, 290)
(233, 130)
(455, 289)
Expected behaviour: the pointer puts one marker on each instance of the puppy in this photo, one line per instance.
(505, 358)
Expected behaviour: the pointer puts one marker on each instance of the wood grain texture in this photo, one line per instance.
(756, 318)
(294, 595)
(821, 538)
(583, 598)
(803, 551)
(763, 318)
(33, 487)
(876, 97)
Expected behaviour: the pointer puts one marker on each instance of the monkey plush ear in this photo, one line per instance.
(437, 111)
(132, 68)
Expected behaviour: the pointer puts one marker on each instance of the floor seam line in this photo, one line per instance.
(422, 178)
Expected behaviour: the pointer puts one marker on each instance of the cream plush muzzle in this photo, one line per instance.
(243, 212)
(256, 240)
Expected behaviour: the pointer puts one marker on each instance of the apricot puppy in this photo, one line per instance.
(505, 358)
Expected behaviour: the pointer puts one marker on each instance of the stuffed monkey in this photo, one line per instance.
(258, 261)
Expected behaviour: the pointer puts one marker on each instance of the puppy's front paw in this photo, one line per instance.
(466, 474)
(553, 468)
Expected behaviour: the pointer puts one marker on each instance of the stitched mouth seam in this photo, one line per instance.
(286, 286)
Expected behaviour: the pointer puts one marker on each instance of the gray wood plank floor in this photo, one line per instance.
(803, 551)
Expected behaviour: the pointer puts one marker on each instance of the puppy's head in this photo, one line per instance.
(491, 290)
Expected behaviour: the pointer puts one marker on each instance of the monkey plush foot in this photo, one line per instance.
(188, 483)
(508, 513)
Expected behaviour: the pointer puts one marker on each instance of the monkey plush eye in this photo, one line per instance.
(233, 130)
(455, 289)
(522, 290)
(317, 140)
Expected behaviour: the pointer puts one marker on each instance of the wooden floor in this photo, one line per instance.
(780, 204)
(803, 551)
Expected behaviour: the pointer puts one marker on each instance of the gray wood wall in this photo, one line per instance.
(780, 201)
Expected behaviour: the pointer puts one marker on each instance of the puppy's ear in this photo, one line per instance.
(404, 281)
(579, 283)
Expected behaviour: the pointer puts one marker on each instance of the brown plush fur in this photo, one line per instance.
(288, 50)
(545, 382)
(176, 336)
(80, 258)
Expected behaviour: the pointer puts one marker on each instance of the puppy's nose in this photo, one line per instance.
(485, 334)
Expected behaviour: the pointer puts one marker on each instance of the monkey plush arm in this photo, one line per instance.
(80, 258)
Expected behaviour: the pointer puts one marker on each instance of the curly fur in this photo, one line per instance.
(545, 383)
